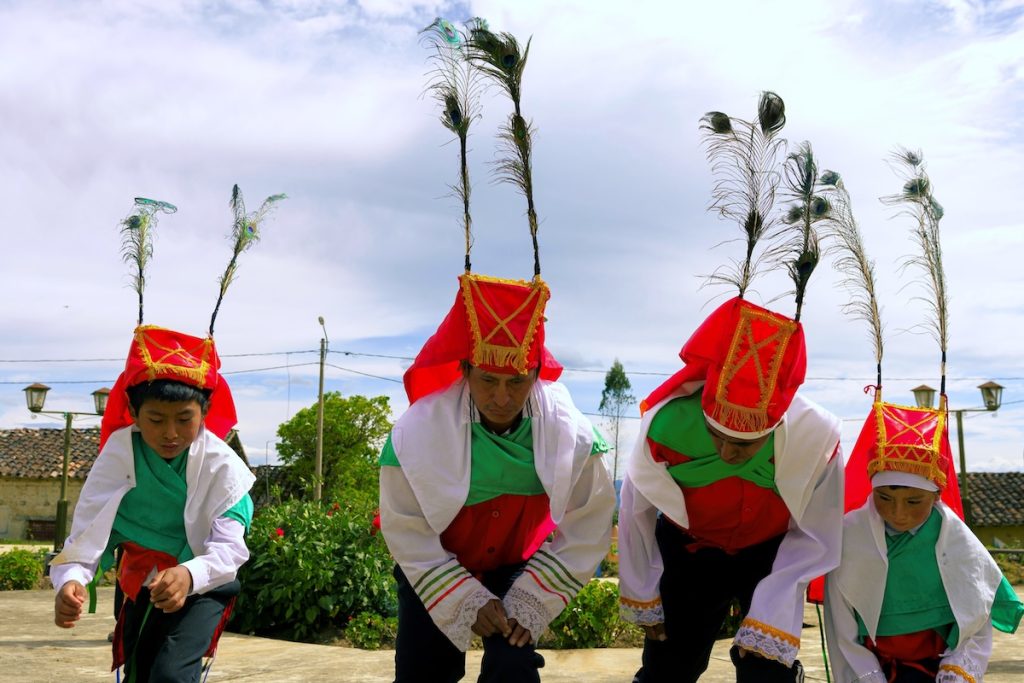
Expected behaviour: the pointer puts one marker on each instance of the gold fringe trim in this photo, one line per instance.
(640, 604)
(486, 353)
(771, 630)
(953, 668)
(752, 418)
(920, 459)
(154, 366)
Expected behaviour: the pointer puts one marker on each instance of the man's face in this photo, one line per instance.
(499, 397)
(169, 427)
(903, 507)
(732, 450)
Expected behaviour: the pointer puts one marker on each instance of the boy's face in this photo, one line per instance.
(499, 397)
(904, 508)
(732, 450)
(169, 427)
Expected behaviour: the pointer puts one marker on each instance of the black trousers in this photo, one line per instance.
(696, 591)
(169, 648)
(423, 654)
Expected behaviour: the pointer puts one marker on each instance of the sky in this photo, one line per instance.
(101, 102)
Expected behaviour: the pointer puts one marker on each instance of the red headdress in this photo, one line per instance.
(752, 361)
(159, 353)
(495, 324)
(898, 438)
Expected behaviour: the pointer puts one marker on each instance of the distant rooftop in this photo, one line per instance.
(39, 453)
(997, 498)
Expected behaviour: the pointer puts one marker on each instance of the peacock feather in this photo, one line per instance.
(137, 239)
(799, 250)
(853, 262)
(744, 158)
(917, 201)
(245, 232)
(455, 84)
(500, 59)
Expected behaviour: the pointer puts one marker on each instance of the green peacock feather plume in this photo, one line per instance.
(799, 251)
(744, 160)
(137, 239)
(853, 262)
(499, 57)
(244, 234)
(917, 201)
(454, 83)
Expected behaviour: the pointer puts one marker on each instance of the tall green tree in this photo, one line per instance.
(616, 399)
(355, 428)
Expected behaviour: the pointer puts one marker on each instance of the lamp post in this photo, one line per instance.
(992, 397)
(35, 397)
(319, 464)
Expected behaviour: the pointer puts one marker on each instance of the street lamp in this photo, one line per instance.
(35, 397)
(992, 397)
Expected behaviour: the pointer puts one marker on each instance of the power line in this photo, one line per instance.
(410, 358)
(365, 374)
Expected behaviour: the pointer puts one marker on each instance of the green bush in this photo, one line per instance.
(370, 631)
(590, 620)
(311, 567)
(1011, 567)
(21, 569)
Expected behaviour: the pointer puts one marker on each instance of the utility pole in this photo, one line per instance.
(318, 474)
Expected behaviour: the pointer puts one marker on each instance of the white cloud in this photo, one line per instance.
(323, 101)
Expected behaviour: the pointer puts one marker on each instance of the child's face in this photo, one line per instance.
(904, 508)
(169, 427)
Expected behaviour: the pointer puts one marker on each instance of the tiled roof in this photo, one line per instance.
(997, 498)
(39, 453)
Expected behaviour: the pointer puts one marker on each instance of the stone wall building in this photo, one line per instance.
(31, 463)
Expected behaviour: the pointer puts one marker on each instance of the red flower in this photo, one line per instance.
(280, 532)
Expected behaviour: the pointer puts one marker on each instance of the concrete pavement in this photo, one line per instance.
(33, 650)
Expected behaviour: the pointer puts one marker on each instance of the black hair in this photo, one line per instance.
(167, 390)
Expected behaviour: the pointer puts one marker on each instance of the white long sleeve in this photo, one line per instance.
(562, 566)
(449, 592)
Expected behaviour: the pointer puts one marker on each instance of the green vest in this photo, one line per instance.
(915, 599)
(152, 513)
(680, 425)
(500, 464)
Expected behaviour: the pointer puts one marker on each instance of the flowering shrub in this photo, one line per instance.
(312, 566)
(21, 569)
(590, 620)
(369, 631)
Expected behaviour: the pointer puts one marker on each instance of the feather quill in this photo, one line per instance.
(499, 57)
(137, 239)
(799, 252)
(245, 232)
(744, 160)
(455, 85)
(852, 261)
(917, 201)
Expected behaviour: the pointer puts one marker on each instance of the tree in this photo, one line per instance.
(615, 400)
(355, 429)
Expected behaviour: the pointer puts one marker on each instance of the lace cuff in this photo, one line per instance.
(767, 641)
(527, 609)
(642, 613)
(459, 629)
(951, 673)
